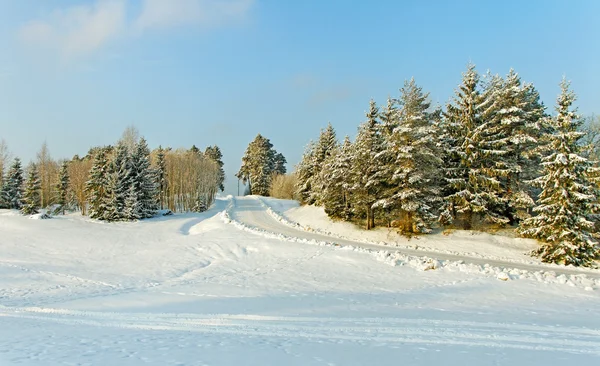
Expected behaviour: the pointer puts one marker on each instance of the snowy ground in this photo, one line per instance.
(196, 290)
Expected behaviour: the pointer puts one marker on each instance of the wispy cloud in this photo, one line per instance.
(174, 13)
(78, 30)
(81, 30)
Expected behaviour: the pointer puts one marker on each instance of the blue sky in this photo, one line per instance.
(75, 73)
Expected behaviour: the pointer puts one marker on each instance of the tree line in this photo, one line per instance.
(114, 183)
(493, 157)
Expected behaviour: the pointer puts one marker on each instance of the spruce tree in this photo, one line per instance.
(568, 196)
(119, 181)
(257, 167)
(32, 197)
(279, 164)
(473, 187)
(12, 188)
(415, 163)
(336, 171)
(62, 188)
(143, 180)
(365, 181)
(96, 186)
(214, 153)
(305, 171)
(326, 145)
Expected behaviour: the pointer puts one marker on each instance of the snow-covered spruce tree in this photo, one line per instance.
(513, 115)
(326, 145)
(12, 188)
(414, 164)
(365, 185)
(568, 194)
(257, 166)
(96, 186)
(336, 172)
(119, 181)
(305, 171)
(472, 186)
(214, 153)
(162, 183)
(279, 163)
(31, 196)
(142, 178)
(62, 188)
(133, 207)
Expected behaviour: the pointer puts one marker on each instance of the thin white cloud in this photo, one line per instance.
(81, 30)
(78, 30)
(173, 13)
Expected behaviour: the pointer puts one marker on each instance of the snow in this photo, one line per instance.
(194, 289)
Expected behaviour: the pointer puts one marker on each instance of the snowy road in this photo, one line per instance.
(251, 212)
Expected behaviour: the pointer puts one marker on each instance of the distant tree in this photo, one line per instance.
(257, 166)
(161, 177)
(336, 171)
(130, 138)
(47, 169)
(214, 153)
(568, 196)
(79, 170)
(62, 188)
(119, 182)
(591, 140)
(279, 166)
(31, 197)
(12, 188)
(4, 158)
(143, 180)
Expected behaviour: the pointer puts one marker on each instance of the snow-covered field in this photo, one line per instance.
(194, 289)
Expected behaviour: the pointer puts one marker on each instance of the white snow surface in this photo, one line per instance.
(234, 286)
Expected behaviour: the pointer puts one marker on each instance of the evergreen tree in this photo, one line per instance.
(279, 164)
(473, 187)
(161, 176)
(143, 181)
(568, 194)
(12, 188)
(133, 208)
(119, 182)
(96, 186)
(62, 188)
(415, 163)
(366, 183)
(257, 167)
(31, 197)
(305, 171)
(214, 153)
(325, 146)
(336, 171)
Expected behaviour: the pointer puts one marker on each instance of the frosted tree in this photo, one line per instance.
(514, 116)
(413, 163)
(279, 164)
(120, 177)
(364, 174)
(32, 197)
(336, 172)
(143, 180)
(214, 153)
(325, 146)
(96, 186)
(568, 196)
(473, 181)
(62, 188)
(12, 187)
(133, 207)
(257, 166)
(305, 171)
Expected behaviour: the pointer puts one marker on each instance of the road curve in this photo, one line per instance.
(251, 212)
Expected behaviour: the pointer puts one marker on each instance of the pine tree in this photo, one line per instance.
(12, 188)
(214, 153)
(62, 188)
(32, 197)
(415, 163)
(257, 167)
(279, 164)
(568, 196)
(96, 186)
(161, 176)
(143, 180)
(473, 187)
(336, 171)
(119, 181)
(365, 181)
